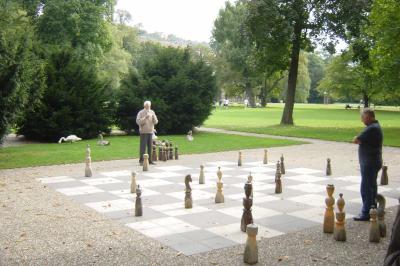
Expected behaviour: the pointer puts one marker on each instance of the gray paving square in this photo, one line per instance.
(295, 225)
(102, 196)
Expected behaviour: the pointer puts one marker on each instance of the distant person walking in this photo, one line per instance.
(146, 119)
(370, 157)
(246, 103)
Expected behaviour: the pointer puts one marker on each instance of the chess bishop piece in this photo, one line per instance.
(384, 175)
(250, 255)
(145, 162)
(265, 160)
(247, 216)
(176, 153)
(381, 202)
(201, 176)
(340, 230)
(133, 182)
(88, 167)
(374, 232)
(171, 151)
(154, 154)
(219, 197)
(240, 159)
(283, 171)
(328, 167)
(278, 181)
(138, 202)
(329, 218)
(188, 192)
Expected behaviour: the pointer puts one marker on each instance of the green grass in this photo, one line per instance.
(328, 122)
(125, 147)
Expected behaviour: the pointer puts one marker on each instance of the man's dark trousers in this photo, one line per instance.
(369, 187)
(146, 140)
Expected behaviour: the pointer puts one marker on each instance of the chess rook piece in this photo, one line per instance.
(247, 217)
(145, 162)
(329, 218)
(171, 152)
(328, 167)
(240, 159)
(250, 255)
(88, 167)
(138, 202)
(374, 232)
(384, 176)
(250, 180)
(133, 182)
(154, 154)
(340, 231)
(219, 197)
(188, 192)
(381, 202)
(278, 181)
(176, 153)
(265, 160)
(201, 176)
(283, 171)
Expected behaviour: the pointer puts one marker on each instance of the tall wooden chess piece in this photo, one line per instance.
(250, 180)
(133, 182)
(240, 158)
(145, 162)
(265, 160)
(219, 197)
(384, 175)
(165, 153)
(329, 218)
(176, 153)
(154, 153)
(250, 255)
(138, 202)
(188, 192)
(88, 167)
(247, 217)
(283, 171)
(160, 153)
(340, 230)
(374, 232)
(328, 167)
(201, 176)
(278, 181)
(381, 201)
(171, 151)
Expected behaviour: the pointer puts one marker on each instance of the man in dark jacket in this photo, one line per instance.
(370, 157)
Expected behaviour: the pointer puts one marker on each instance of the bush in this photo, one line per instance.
(181, 91)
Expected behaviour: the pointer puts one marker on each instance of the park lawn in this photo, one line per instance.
(125, 147)
(331, 122)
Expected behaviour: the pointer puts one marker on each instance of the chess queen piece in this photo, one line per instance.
(250, 180)
(384, 175)
(283, 171)
(133, 182)
(145, 162)
(219, 197)
(381, 202)
(176, 153)
(340, 230)
(88, 167)
(250, 255)
(138, 202)
(328, 167)
(374, 233)
(188, 192)
(329, 218)
(240, 158)
(201, 176)
(154, 153)
(265, 160)
(278, 181)
(247, 217)
(170, 151)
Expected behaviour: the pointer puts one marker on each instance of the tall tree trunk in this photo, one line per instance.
(263, 93)
(365, 99)
(249, 91)
(287, 116)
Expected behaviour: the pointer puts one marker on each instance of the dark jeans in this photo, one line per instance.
(369, 187)
(146, 140)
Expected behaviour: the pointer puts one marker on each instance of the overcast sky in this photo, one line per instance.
(188, 19)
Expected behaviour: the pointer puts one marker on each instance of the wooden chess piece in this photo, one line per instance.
(219, 197)
(329, 218)
(145, 162)
(154, 154)
(201, 176)
(340, 230)
(328, 167)
(138, 202)
(250, 180)
(381, 202)
(160, 153)
(247, 217)
(250, 255)
(188, 192)
(133, 182)
(278, 181)
(283, 171)
(164, 153)
(88, 167)
(384, 176)
(265, 160)
(176, 153)
(171, 151)
(374, 232)
(166, 150)
(240, 159)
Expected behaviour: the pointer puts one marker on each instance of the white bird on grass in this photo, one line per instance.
(70, 138)
(102, 142)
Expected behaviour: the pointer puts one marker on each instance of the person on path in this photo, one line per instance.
(146, 120)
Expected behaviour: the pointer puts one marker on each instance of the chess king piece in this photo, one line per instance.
(384, 176)
(340, 230)
(88, 167)
(240, 159)
(154, 153)
(188, 192)
(250, 180)
(247, 217)
(278, 181)
(138, 202)
(250, 255)
(265, 160)
(133, 182)
(329, 218)
(170, 151)
(201, 176)
(145, 162)
(374, 233)
(176, 153)
(328, 167)
(283, 171)
(381, 202)
(219, 197)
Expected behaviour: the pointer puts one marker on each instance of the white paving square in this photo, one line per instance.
(126, 193)
(307, 178)
(173, 168)
(240, 196)
(214, 169)
(55, 179)
(111, 205)
(82, 190)
(258, 169)
(257, 186)
(313, 214)
(196, 195)
(304, 171)
(258, 212)
(310, 199)
(222, 163)
(350, 178)
(259, 163)
(100, 181)
(165, 174)
(257, 177)
(153, 182)
(308, 187)
(116, 173)
(183, 211)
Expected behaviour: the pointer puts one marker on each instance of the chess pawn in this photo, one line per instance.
(176, 153)
(133, 182)
(283, 165)
(240, 159)
(278, 181)
(340, 231)
(247, 217)
(265, 160)
(381, 201)
(250, 255)
(145, 162)
(154, 154)
(201, 176)
(88, 167)
(219, 197)
(329, 218)
(328, 167)
(250, 180)
(188, 192)
(374, 233)
(138, 202)
(384, 176)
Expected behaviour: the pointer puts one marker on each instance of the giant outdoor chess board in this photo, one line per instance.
(208, 225)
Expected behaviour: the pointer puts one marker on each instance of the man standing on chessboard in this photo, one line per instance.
(146, 119)
(370, 157)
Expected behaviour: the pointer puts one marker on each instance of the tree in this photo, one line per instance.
(316, 70)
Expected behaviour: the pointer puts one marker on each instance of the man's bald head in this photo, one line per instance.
(367, 116)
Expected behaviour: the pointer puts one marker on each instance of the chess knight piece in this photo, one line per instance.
(340, 230)
(138, 202)
(219, 197)
(250, 255)
(328, 167)
(283, 171)
(154, 153)
(188, 192)
(201, 176)
(88, 168)
(278, 181)
(374, 233)
(329, 218)
(247, 217)
(145, 162)
(240, 159)
(176, 153)
(384, 175)
(133, 182)
(381, 202)
(265, 160)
